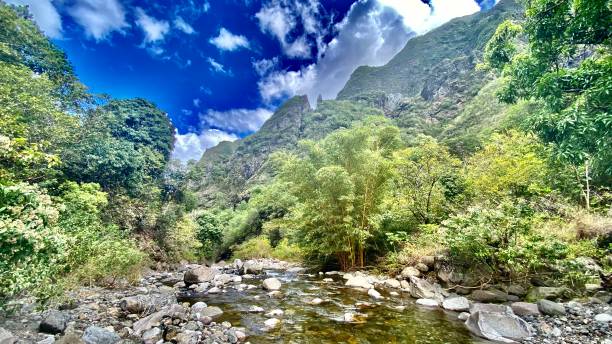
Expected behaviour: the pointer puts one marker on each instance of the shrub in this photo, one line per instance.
(257, 247)
(209, 232)
(33, 248)
(180, 240)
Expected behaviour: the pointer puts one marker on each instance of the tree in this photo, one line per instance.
(209, 232)
(567, 64)
(422, 173)
(339, 184)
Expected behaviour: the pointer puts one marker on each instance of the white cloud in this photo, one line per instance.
(154, 30)
(206, 6)
(217, 67)
(263, 66)
(196, 102)
(422, 18)
(45, 15)
(228, 41)
(99, 17)
(182, 25)
(371, 33)
(191, 146)
(280, 19)
(243, 121)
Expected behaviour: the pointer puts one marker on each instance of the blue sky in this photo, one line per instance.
(219, 68)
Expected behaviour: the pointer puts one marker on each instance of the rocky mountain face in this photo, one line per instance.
(432, 86)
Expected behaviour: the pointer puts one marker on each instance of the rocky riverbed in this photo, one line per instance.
(268, 301)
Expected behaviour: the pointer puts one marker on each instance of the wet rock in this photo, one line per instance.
(271, 284)
(252, 267)
(328, 280)
(525, 308)
(198, 307)
(404, 284)
(410, 271)
(392, 283)
(223, 279)
(238, 264)
(427, 302)
(550, 308)
(53, 322)
(499, 327)
(275, 313)
(354, 317)
(457, 304)
(373, 293)
(491, 295)
(549, 293)
(214, 290)
(256, 309)
(199, 275)
(491, 308)
(99, 335)
(271, 324)
(275, 294)
(463, 316)
(315, 301)
(358, 282)
(6, 337)
(422, 289)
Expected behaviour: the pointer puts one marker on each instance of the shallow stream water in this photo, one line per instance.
(396, 319)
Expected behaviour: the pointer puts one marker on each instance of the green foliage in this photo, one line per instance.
(339, 184)
(500, 49)
(33, 247)
(260, 247)
(209, 232)
(512, 164)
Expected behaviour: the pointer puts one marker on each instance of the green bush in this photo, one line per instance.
(258, 247)
(32, 249)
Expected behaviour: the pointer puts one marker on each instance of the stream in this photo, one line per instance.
(395, 319)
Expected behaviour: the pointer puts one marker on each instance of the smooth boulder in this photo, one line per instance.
(427, 302)
(199, 275)
(358, 282)
(457, 304)
(525, 308)
(410, 271)
(271, 284)
(6, 337)
(500, 327)
(53, 322)
(492, 295)
(551, 308)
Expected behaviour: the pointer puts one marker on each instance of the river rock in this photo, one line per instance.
(148, 322)
(603, 318)
(198, 307)
(549, 293)
(373, 293)
(427, 302)
(422, 289)
(188, 337)
(214, 290)
(463, 316)
(152, 336)
(271, 284)
(422, 267)
(500, 327)
(213, 312)
(223, 279)
(53, 322)
(275, 313)
(405, 285)
(6, 337)
(490, 308)
(238, 264)
(252, 267)
(256, 309)
(392, 283)
(525, 308)
(358, 282)
(430, 261)
(410, 271)
(271, 324)
(491, 295)
(199, 275)
(99, 335)
(316, 301)
(350, 317)
(517, 290)
(457, 304)
(550, 308)
(50, 339)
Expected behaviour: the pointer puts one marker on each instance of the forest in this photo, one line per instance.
(89, 193)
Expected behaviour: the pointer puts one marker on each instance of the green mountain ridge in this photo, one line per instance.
(423, 89)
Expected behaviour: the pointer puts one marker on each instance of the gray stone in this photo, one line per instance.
(271, 323)
(422, 289)
(490, 308)
(428, 260)
(199, 275)
(457, 304)
(256, 309)
(6, 337)
(213, 312)
(603, 318)
(99, 335)
(427, 302)
(549, 293)
(358, 282)
(148, 322)
(422, 267)
(54, 322)
(410, 271)
(517, 290)
(198, 307)
(392, 283)
(525, 308)
(152, 336)
(373, 293)
(463, 316)
(491, 295)
(500, 327)
(550, 308)
(275, 313)
(252, 267)
(271, 284)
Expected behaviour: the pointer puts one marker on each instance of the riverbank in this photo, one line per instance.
(265, 301)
